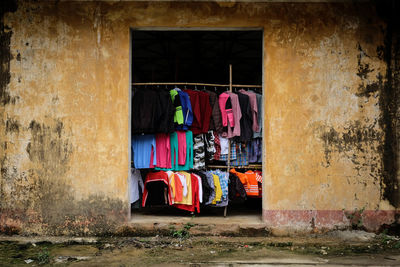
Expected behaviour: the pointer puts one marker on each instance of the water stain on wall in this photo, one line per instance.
(357, 140)
(389, 100)
(367, 88)
(40, 196)
(5, 53)
(12, 125)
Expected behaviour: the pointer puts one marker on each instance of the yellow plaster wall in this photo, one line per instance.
(70, 85)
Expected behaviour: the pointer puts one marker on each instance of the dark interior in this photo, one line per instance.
(197, 56)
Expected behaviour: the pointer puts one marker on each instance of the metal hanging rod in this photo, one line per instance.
(203, 84)
(251, 166)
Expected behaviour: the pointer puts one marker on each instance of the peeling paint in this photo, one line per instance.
(12, 126)
(354, 142)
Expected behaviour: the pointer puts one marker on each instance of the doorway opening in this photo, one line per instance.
(226, 159)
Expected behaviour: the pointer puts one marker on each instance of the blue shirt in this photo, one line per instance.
(141, 147)
(186, 111)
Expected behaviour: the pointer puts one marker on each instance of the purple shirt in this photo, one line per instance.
(237, 114)
(253, 104)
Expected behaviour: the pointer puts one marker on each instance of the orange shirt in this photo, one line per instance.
(249, 182)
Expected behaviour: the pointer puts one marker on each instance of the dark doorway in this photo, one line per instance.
(198, 56)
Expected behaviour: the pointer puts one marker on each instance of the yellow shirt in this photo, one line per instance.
(187, 200)
(218, 190)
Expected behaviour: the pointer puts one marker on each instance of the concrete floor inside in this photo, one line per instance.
(207, 216)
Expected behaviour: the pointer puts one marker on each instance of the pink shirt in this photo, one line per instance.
(226, 114)
(163, 150)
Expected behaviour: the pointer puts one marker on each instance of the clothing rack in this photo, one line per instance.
(251, 166)
(230, 85)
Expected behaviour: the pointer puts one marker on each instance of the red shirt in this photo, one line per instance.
(202, 110)
(160, 176)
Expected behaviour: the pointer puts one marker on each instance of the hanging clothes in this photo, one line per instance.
(217, 188)
(255, 177)
(236, 188)
(224, 144)
(237, 114)
(211, 186)
(206, 111)
(260, 115)
(186, 199)
(175, 187)
(152, 112)
(194, 192)
(144, 109)
(217, 144)
(242, 154)
(163, 150)
(144, 151)
(183, 180)
(156, 189)
(210, 145)
(225, 106)
(223, 183)
(182, 147)
(255, 153)
(205, 187)
(181, 150)
(259, 179)
(224, 156)
(246, 121)
(186, 110)
(189, 154)
(174, 150)
(200, 186)
(216, 119)
(254, 107)
(135, 182)
(249, 182)
(199, 155)
(201, 108)
(176, 101)
(164, 122)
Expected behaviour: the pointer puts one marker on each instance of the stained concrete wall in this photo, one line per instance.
(330, 87)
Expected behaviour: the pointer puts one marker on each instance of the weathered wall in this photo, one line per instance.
(331, 79)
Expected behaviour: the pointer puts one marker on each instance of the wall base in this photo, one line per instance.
(291, 221)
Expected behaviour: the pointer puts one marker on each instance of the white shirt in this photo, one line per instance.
(224, 145)
(184, 184)
(135, 180)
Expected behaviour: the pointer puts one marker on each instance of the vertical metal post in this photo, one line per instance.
(229, 143)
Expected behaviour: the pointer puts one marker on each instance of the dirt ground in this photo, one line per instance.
(339, 248)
